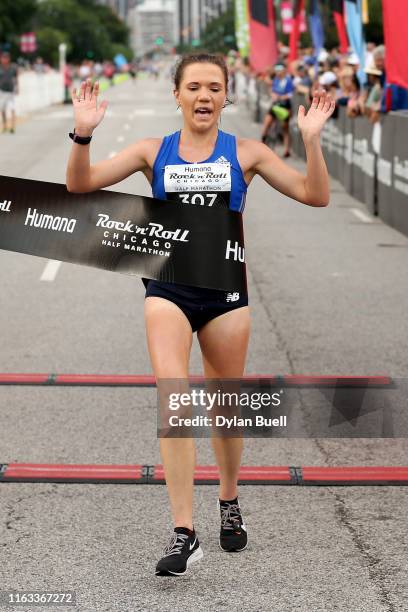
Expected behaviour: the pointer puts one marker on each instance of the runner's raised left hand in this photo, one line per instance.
(311, 122)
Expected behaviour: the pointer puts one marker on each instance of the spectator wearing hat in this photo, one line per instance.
(377, 65)
(379, 61)
(328, 81)
(353, 60)
(371, 105)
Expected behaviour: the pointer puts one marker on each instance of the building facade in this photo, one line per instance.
(153, 26)
(193, 16)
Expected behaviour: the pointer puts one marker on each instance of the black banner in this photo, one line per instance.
(348, 129)
(399, 214)
(169, 241)
(385, 170)
(364, 162)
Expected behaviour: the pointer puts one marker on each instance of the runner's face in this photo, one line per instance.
(202, 87)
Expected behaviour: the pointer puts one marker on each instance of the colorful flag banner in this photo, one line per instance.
(316, 26)
(242, 27)
(263, 48)
(356, 35)
(297, 8)
(287, 17)
(395, 38)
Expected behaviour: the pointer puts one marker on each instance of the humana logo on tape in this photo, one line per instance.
(42, 221)
(5, 206)
(153, 229)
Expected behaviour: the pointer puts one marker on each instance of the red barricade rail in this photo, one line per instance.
(146, 380)
(206, 474)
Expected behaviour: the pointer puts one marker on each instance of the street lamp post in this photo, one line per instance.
(62, 48)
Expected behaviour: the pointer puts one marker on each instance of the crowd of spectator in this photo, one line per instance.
(362, 90)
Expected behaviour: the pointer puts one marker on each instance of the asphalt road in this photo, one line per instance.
(326, 298)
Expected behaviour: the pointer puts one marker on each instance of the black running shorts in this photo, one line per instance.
(200, 305)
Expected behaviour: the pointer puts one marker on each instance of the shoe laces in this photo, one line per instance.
(230, 516)
(176, 544)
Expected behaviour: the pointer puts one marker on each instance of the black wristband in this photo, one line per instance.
(83, 140)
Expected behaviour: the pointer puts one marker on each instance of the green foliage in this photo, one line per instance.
(88, 37)
(117, 30)
(48, 41)
(374, 29)
(89, 29)
(218, 37)
(15, 18)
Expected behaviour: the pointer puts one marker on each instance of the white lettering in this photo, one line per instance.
(58, 224)
(237, 251)
(5, 205)
(153, 229)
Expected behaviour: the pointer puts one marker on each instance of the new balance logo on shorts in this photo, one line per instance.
(232, 297)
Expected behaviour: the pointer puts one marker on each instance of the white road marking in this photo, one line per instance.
(50, 271)
(112, 154)
(361, 215)
(120, 138)
(126, 126)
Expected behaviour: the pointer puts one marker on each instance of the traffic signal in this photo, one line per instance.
(159, 41)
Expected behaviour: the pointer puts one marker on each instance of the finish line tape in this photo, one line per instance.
(158, 239)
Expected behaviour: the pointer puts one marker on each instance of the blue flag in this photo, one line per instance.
(316, 26)
(356, 35)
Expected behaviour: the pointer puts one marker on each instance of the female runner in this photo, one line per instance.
(174, 312)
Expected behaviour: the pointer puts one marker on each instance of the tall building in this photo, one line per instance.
(195, 15)
(121, 7)
(153, 25)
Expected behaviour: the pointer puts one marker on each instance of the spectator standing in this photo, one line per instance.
(8, 89)
(281, 94)
(39, 67)
(372, 105)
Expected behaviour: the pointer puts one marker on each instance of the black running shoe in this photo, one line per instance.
(233, 533)
(181, 552)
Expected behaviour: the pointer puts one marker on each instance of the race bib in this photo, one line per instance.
(203, 184)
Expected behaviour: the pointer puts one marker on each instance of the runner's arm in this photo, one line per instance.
(82, 177)
(312, 189)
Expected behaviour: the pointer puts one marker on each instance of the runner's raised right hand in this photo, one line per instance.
(87, 113)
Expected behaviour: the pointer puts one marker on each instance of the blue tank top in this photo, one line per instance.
(216, 181)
